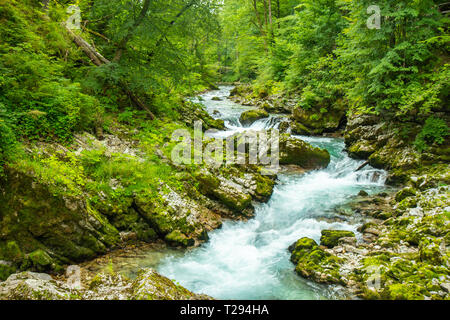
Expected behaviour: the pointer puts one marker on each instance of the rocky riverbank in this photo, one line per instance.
(402, 251)
(148, 285)
(65, 204)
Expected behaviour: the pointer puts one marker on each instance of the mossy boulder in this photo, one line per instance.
(6, 269)
(318, 121)
(226, 192)
(150, 285)
(362, 149)
(10, 251)
(298, 152)
(430, 251)
(404, 193)
(176, 239)
(330, 238)
(300, 129)
(35, 216)
(314, 263)
(250, 116)
(40, 260)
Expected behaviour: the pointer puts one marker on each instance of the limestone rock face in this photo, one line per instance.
(42, 229)
(34, 286)
(370, 137)
(149, 285)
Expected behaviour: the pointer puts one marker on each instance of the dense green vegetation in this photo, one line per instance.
(154, 54)
(324, 53)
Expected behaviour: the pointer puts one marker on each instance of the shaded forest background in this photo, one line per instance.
(136, 58)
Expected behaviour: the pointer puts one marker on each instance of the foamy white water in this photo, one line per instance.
(250, 260)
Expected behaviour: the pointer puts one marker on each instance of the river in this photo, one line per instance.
(249, 259)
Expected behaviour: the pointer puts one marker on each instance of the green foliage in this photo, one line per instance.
(7, 137)
(324, 53)
(34, 90)
(434, 131)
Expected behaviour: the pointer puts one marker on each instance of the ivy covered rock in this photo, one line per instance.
(250, 116)
(330, 238)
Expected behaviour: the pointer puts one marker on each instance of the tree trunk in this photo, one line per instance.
(123, 43)
(99, 60)
(260, 24)
(93, 54)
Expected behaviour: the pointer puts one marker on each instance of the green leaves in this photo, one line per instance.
(434, 131)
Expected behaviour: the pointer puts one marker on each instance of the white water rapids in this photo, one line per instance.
(250, 260)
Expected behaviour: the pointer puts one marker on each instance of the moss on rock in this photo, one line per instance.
(250, 116)
(176, 238)
(330, 238)
(298, 152)
(314, 263)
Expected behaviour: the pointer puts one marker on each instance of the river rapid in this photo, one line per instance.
(250, 259)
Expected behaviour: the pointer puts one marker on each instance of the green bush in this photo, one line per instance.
(434, 131)
(7, 137)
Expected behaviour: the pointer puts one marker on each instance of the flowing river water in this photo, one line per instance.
(250, 259)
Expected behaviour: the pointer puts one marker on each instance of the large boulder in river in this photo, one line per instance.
(314, 263)
(298, 152)
(250, 116)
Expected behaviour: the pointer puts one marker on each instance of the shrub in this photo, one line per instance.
(434, 131)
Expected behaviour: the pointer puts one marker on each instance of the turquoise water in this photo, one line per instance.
(250, 260)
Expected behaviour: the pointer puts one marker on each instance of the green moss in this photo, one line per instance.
(40, 260)
(298, 152)
(250, 116)
(11, 251)
(176, 238)
(404, 193)
(406, 291)
(6, 270)
(429, 251)
(264, 188)
(330, 238)
(361, 149)
(313, 262)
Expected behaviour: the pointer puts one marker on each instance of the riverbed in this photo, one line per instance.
(250, 259)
